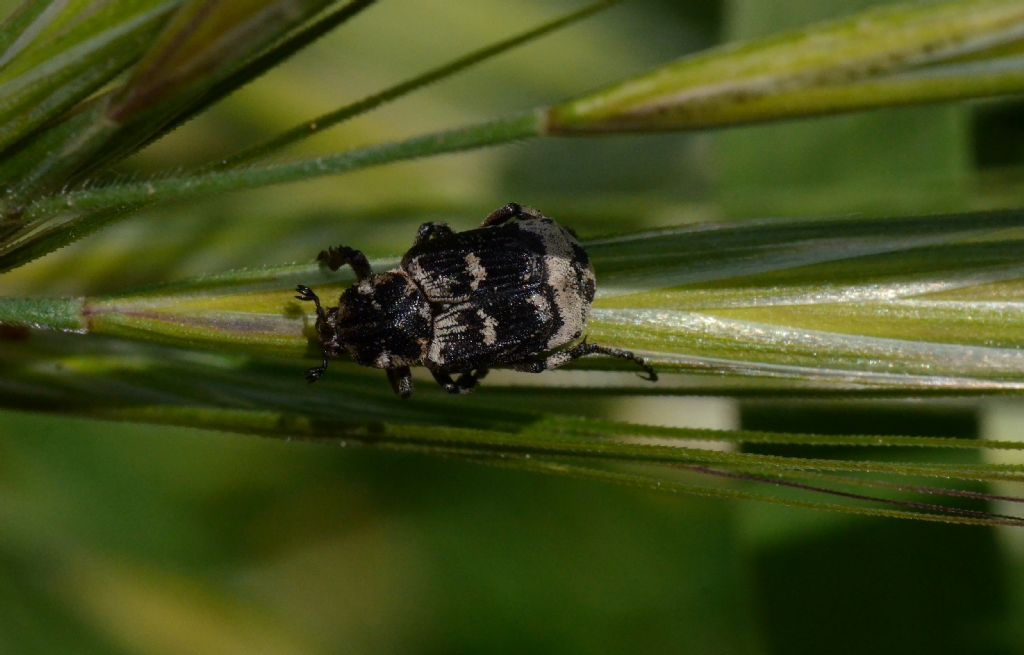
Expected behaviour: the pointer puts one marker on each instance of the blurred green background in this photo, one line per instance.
(118, 538)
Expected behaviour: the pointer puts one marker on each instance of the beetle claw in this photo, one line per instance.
(305, 293)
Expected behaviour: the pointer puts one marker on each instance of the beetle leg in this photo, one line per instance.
(336, 257)
(317, 372)
(594, 349)
(401, 381)
(429, 231)
(563, 357)
(448, 384)
(506, 213)
(469, 379)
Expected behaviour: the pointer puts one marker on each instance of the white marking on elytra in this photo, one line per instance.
(476, 271)
(383, 360)
(490, 329)
(436, 355)
(449, 322)
(569, 301)
(365, 288)
(447, 325)
(562, 275)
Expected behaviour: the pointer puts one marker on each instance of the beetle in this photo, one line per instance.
(514, 292)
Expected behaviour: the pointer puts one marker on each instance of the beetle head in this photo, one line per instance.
(383, 321)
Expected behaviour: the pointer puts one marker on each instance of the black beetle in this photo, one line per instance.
(510, 293)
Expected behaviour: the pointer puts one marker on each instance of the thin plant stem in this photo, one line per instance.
(320, 123)
(481, 135)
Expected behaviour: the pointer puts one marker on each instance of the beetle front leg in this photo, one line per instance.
(336, 257)
(401, 381)
(430, 231)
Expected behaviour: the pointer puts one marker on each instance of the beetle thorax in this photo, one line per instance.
(383, 321)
